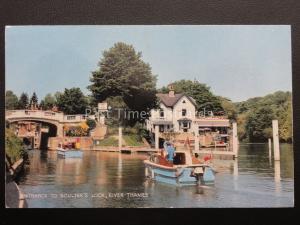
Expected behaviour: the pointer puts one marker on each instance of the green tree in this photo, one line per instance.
(257, 122)
(72, 101)
(91, 124)
(33, 100)
(48, 102)
(123, 73)
(13, 146)
(23, 101)
(280, 106)
(205, 99)
(11, 100)
(229, 108)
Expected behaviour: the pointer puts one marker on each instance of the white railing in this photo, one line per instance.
(39, 114)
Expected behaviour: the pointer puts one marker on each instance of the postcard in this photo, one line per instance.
(148, 116)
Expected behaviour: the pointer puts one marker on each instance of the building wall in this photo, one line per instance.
(177, 112)
(173, 114)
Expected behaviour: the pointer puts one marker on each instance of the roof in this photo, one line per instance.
(213, 123)
(171, 101)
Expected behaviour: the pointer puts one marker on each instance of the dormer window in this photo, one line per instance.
(183, 112)
(161, 113)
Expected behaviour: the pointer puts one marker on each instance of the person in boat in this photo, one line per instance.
(170, 151)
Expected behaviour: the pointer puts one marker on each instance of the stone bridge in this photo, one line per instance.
(58, 119)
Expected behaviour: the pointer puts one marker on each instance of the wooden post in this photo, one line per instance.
(156, 137)
(275, 140)
(277, 175)
(196, 139)
(234, 139)
(120, 138)
(235, 169)
(270, 147)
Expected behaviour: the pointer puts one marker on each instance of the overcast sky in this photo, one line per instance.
(237, 62)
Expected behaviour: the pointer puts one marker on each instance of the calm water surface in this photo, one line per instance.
(103, 179)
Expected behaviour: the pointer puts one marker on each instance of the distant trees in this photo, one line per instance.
(123, 73)
(48, 102)
(23, 101)
(72, 101)
(256, 114)
(33, 100)
(11, 100)
(205, 99)
(229, 108)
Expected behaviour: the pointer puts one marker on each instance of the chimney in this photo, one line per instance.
(171, 91)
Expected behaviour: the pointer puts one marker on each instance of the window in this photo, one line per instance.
(183, 101)
(71, 117)
(183, 112)
(161, 113)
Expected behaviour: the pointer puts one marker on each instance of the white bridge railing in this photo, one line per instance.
(40, 114)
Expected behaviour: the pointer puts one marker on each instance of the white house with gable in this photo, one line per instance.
(176, 113)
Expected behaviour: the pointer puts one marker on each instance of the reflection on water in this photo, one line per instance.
(118, 180)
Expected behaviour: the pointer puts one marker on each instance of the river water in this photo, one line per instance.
(104, 179)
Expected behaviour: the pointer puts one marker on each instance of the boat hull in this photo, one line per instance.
(180, 176)
(70, 153)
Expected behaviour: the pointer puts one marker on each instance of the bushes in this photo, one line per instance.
(77, 131)
(13, 146)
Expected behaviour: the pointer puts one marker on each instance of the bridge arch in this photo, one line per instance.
(41, 139)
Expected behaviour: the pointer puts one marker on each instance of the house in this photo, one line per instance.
(176, 113)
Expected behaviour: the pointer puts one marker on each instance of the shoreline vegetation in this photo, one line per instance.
(124, 80)
(15, 156)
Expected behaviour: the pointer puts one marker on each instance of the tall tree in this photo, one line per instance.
(11, 100)
(72, 101)
(23, 101)
(205, 99)
(123, 73)
(34, 99)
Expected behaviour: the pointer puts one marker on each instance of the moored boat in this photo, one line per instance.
(185, 169)
(69, 153)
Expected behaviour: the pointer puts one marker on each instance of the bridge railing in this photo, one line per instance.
(75, 118)
(40, 114)
(34, 114)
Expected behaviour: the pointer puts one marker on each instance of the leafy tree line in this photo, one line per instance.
(71, 101)
(256, 114)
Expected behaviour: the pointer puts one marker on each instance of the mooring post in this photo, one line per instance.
(156, 137)
(277, 175)
(120, 138)
(234, 140)
(270, 147)
(276, 140)
(196, 139)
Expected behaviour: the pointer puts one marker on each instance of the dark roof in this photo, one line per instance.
(171, 101)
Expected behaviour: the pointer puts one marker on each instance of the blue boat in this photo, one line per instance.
(185, 170)
(69, 153)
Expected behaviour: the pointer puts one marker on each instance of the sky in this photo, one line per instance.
(237, 62)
